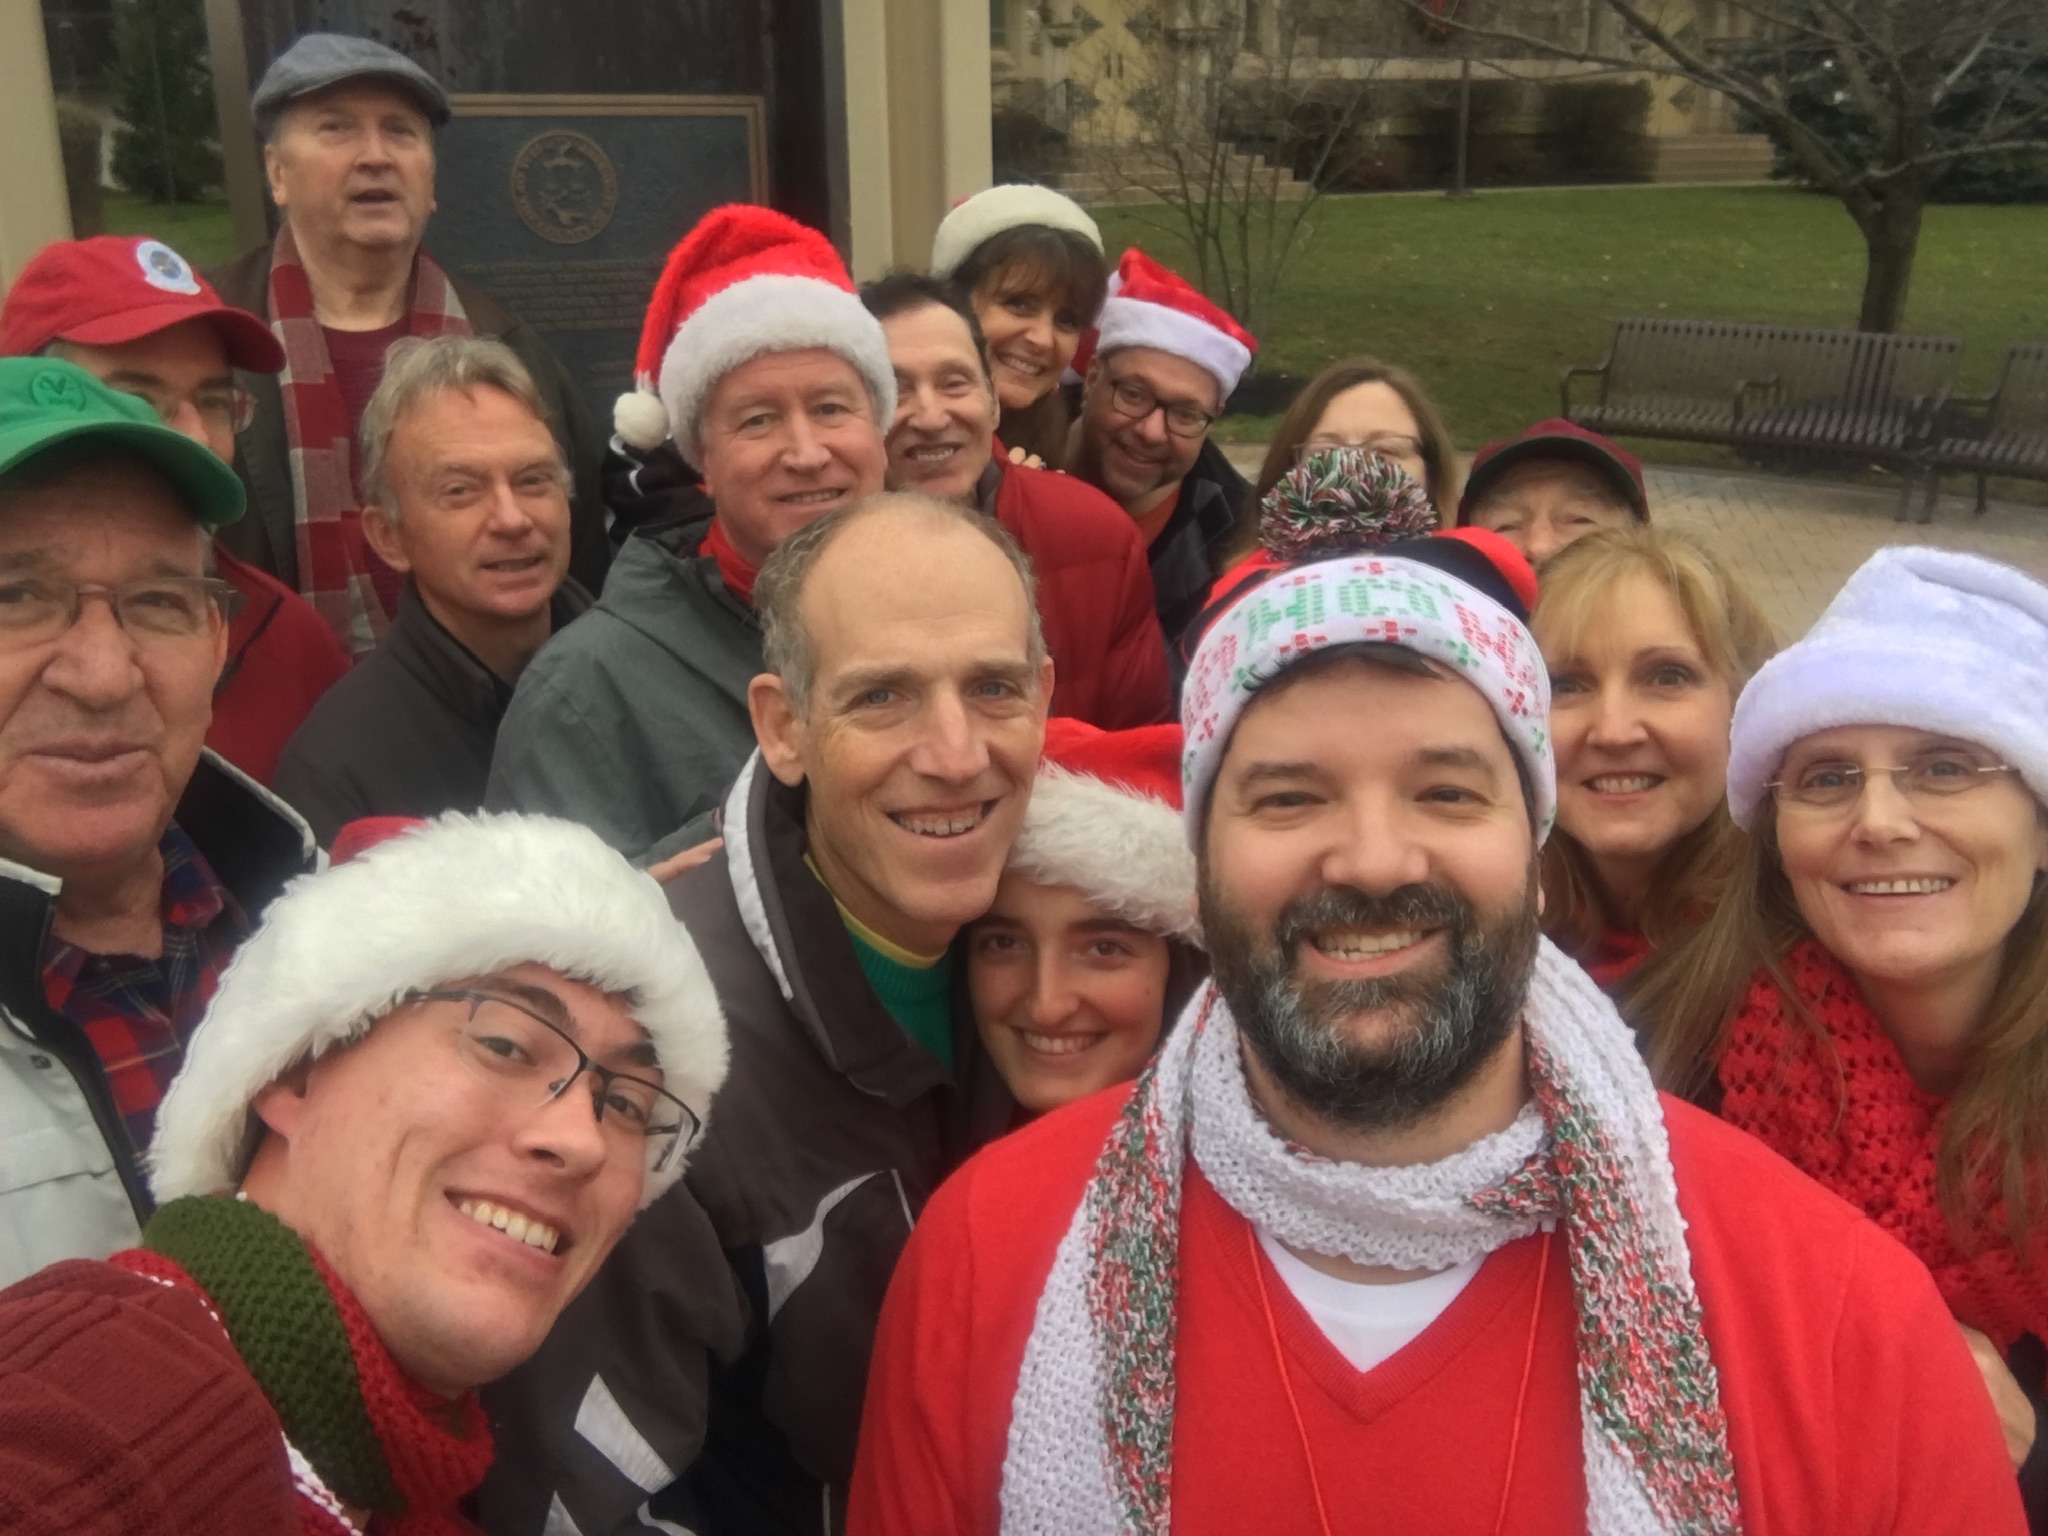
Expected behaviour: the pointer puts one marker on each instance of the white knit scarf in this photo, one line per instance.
(1091, 1429)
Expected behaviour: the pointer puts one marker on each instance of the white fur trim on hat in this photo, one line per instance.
(1125, 852)
(770, 313)
(988, 213)
(460, 896)
(1952, 644)
(1128, 322)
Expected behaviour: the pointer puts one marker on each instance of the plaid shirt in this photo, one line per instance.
(138, 1013)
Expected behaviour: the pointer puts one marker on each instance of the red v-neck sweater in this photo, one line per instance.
(1853, 1404)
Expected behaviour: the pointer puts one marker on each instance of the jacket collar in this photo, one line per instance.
(451, 671)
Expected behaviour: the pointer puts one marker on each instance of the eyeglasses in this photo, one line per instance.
(531, 1060)
(1387, 445)
(1134, 402)
(1940, 774)
(36, 610)
(228, 408)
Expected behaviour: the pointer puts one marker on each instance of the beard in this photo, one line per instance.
(1446, 1022)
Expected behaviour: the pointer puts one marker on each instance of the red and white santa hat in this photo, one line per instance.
(1104, 819)
(976, 220)
(746, 281)
(1151, 306)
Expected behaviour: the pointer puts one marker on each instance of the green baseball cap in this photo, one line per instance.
(45, 403)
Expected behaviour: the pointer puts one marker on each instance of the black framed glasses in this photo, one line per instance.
(530, 1059)
(1939, 774)
(35, 610)
(1134, 401)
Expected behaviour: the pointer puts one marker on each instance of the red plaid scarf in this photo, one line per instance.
(354, 591)
(1845, 1110)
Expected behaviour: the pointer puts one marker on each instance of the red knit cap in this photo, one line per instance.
(1151, 306)
(700, 324)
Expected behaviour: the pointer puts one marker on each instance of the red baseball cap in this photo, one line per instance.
(113, 289)
(1558, 439)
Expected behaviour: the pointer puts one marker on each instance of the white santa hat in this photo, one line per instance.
(1104, 819)
(1150, 306)
(745, 282)
(976, 220)
(1955, 645)
(439, 901)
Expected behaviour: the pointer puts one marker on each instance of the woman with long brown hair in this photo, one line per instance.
(1649, 639)
(1871, 996)
(1361, 402)
(1030, 261)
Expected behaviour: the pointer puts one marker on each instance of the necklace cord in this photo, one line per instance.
(1315, 1483)
(1507, 1486)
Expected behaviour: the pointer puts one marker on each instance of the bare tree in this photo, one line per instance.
(1226, 114)
(1923, 85)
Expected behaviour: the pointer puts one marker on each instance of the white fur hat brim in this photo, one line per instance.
(1952, 644)
(1125, 852)
(460, 896)
(989, 213)
(1128, 322)
(770, 313)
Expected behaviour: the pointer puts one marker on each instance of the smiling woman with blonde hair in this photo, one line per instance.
(1648, 639)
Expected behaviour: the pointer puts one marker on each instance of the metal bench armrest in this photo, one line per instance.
(1564, 387)
(1744, 386)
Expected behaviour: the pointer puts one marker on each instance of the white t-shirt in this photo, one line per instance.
(1368, 1323)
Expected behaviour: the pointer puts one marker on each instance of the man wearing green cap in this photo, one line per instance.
(132, 860)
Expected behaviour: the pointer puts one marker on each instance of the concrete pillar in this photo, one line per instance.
(34, 209)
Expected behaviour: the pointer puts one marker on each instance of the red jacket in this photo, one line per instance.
(281, 657)
(1853, 1407)
(1094, 594)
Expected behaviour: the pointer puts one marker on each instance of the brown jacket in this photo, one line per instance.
(267, 535)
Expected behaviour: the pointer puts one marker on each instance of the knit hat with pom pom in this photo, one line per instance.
(745, 282)
(1340, 500)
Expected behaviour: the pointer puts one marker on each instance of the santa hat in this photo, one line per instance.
(441, 900)
(1149, 306)
(976, 220)
(745, 282)
(1104, 819)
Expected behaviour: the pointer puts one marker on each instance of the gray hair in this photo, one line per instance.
(420, 367)
(778, 591)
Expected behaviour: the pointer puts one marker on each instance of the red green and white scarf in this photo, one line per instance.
(354, 591)
(1091, 1430)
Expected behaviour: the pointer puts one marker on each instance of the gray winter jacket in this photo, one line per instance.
(633, 720)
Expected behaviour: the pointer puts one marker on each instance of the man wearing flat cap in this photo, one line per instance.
(348, 151)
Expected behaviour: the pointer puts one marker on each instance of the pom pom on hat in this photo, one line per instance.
(1952, 644)
(1341, 500)
(1151, 306)
(976, 220)
(1104, 819)
(451, 898)
(745, 282)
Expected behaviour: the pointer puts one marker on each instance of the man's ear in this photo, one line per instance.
(383, 537)
(777, 727)
(273, 173)
(1045, 680)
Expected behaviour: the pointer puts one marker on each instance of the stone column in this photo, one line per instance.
(33, 207)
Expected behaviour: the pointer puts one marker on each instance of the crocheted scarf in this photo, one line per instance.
(1846, 1111)
(1091, 1431)
(358, 1432)
(354, 591)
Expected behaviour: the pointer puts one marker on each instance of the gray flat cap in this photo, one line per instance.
(321, 59)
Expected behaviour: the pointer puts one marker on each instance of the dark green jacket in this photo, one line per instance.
(267, 535)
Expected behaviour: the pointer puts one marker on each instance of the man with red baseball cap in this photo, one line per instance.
(131, 311)
(1551, 484)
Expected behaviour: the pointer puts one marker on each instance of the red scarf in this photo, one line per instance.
(733, 567)
(1870, 1135)
(437, 1451)
(354, 591)
(1613, 956)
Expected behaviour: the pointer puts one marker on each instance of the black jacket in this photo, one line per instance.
(70, 1181)
(719, 1359)
(1192, 548)
(409, 731)
(268, 536)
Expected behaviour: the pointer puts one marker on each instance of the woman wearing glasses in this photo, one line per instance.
(1648, 639)
(1871, 999)
(1030, 261)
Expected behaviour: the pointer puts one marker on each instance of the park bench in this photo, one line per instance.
(1790, 390)
(2005, 433)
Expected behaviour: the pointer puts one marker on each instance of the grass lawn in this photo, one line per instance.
(1490, 298)
(199, 232)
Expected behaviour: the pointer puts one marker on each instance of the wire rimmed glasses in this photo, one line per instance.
(35, 610)
(1938, 774)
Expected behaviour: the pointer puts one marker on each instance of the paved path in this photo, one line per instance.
(1794, 541)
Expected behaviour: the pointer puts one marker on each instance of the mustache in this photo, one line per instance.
(1344, 906)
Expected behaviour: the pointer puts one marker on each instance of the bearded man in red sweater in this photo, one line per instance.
(1396, 1235)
